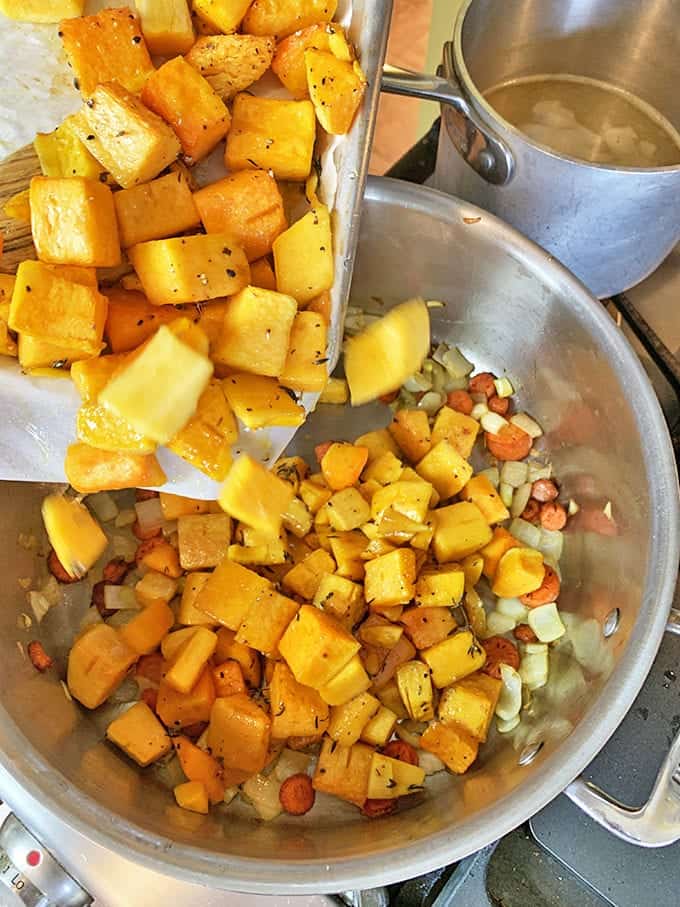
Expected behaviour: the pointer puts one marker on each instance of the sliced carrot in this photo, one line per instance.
(531, 511)
(511, 443)
(145, 494)
(297, 794)
(401, 750)
(40, 660)
(374, 809)
(544, 490)
(483, 383)
(499, 651)
(499, 405)
(524, 633)
(461, 401)
(553, 516)
(57, 569)
(321, 449)
(115, 571)
(547, 592)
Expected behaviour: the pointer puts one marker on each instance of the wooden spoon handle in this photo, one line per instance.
(15, 176)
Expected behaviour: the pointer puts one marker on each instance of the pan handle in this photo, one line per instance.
(487, 154)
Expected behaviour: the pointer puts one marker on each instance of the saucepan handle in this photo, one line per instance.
(657, 822)
(484, 151)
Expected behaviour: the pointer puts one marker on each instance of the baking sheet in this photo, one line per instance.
(36, 93)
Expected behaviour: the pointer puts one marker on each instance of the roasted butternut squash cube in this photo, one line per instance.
(493, 551)
(178, 710)
(440, 586)
(297, 519)
(347, 509)
(154, 585)
(347, 549)
(188, 613)
(389, 778)
(239, 732)
(231, 63)
(390, 697)
(297, 710)
(519, 571)
(336, 88)
(77, 538)
(140, 734)
(289, 59)
(200, 766)
(47, 306)
(459, 530)
(192, 795)
(304, 578)
(380, 728)
(347, 721)
(456, 428)
(173, 642)
(190, 268)
(35, 353)
(247, 658)
(384, 469)
(414, 682)
(348, 683)
(380, 633)
(62, 154)
(344, 771)
(444, 468)
(90, 470)
(481, 492)
(456, 748)
(412, 499)
(268, 134)
(303, 255)
(175, 505)
(390, 579)
(341, 598)
(262, 274)
(228, 593)
(426, 627)
(314, 494)
(228, 678)
(305, 366)
(127, 138)
(183, 98)
(410, 428)
(378, 442)
(316, 647)
(266, 621)
(98, 427)
(255, 332)
(92, 375)
(167, 26)
(203, 539)
(145, 631)
(73, 222)
(222, 15)
(105, 47)
(206, 439)
(97, 663)
(155, 210)
(471, 704)
(190, 661)
(39, 11)
(260, 402)
(342, 464)
(335, 391)
(131, 319)
(246, 205)
(274, 17)
(181, 372)
(454, 658)
(255, 496)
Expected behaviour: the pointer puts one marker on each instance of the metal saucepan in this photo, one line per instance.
(611, 226)
(510, 307)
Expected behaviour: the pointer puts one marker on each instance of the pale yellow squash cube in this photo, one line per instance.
(128, 139)
(390, 579)
(347, 509)
(472, 566)
(348, 548)
(383, 635)
(456, 748)
(389, 778)
(140, 735)
(459, 530)
(98, 426)
(414, 682)
(175, 505)
(222, 15)
(344, 771)
(192, 796)
(456, 428)
(445, 469)
(189, 662)
(283, 17)
(97, 664)
(61, 153)
(35, 353)
(481, 492)
(316, 647)
(190, 268)
(188, 613)
(440, 586)
(269, 134)
(8, 344)
(391, 698)
(145, 631)
(410, 428)
(205, 441)
(380, 728)
(39, 11)
(341, 598)
(378, 442)
(203, 539)
(315, 494)
(347, 683)
(261, 402)
(304, 578)
(297, 519)
(164, 207)
(412, 499)
(347, 721)
(255, 332)
(255, 496)
(305, 366)
(231, 63)
(454, 658)
(297, 710)
(239, 733)
(385, 469)
(335, 392)
(303, 255)
(166, 26)
(336, 88)
(76, 536)
(519, 571)
(266, 621)
(471, 704)
(229, 592)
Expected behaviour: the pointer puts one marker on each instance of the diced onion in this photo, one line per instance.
(527, 424)
(437, 375)
(533, 669)
(455, 363)
(103, 506)
(431, 402)
(149, 515)
(51, 591)
(546, 623)
(503, 387)
(533, 648)
(491, 474)
(230, 793)
(525, 532)
(438, 355)
(512, 607)
(520, 499)
(497, 624)
(493, 422)
(125, 518)
(510, 699)
(538, 471)
(39, 605)
(417, 383)
(479, 410)
(120, 598)
(607, 510)
(455, 384)
(430, 763)
(504, 727)
(263, 793)
(551, 543)
(506, 493)
(573, 507)
(514, 472)
(291, 762)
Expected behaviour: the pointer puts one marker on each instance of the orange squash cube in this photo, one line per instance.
(190, 269)
(190, 661)
(344, 771)
(289, 59)
(260, 402)
(269, 134)
(274, 17)
(163, 558)
(131, 318)
(305, 367)
(155, 210)
(248, 205)
(198, 765)
(178, 710)
(342, 464)
(222, 15)
(493, 551)
(316, 647)
(247, 658)
(262, 274)
(410, 428)
(255, 332)
(203, 539)
(228, 678)
(255, 496)
(145, 631)
(166, 25)
(139, 734)
(231, 63)
(108, 46)
(336, 88)
(303, 256)
(97, 663)
(239, 733)
(206, 439)
(265, 622)
(73, 222)
(98, 427)
(90, 470)
(193, 796)
(183, 98)
(297, 710)
(227, 595)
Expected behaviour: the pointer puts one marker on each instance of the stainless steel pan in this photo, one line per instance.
(509, 306)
